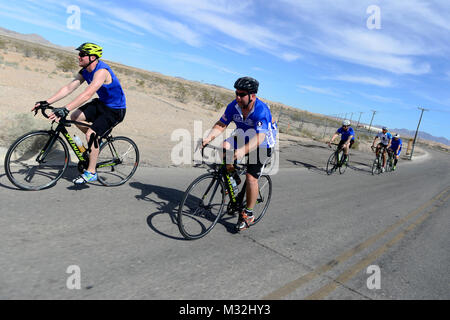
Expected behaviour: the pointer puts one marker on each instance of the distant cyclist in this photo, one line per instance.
(103, 112)
(385, 141)
(347, 138)
(396, 148)
(255, 135)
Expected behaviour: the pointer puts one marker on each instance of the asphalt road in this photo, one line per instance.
(318, 240)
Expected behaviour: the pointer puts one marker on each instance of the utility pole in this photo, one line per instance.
(417, 131)
(373, 115)
(359, 119)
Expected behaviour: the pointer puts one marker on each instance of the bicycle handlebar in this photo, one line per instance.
(63, 120)
(235, 162)
(43, 108)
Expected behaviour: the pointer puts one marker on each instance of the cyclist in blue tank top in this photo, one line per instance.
(347, 138)
(103, 112)
(396, 148)
(255, 135)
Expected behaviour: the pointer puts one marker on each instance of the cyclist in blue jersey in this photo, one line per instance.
(396, 148)
(347, 138)
(103, 112)
(385, 141)
(254, 135)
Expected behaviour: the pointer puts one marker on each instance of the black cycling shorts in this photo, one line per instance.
(102, 117)
(261, 155)
(255, 160)
(342, 142)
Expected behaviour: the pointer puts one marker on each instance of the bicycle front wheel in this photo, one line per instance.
(36, 161)
(201, 207)
(376, 166)
(331, 164)
(264, 196)
(117, 161)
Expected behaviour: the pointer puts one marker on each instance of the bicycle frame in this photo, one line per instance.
(83, 157)
(54, 135)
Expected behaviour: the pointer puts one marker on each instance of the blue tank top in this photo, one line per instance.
(110, 94)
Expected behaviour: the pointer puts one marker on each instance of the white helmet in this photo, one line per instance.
(346, 122)
(397, 136)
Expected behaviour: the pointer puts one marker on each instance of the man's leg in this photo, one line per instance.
(252, 191)
(79, 116)
(93, 155)
(246, 217)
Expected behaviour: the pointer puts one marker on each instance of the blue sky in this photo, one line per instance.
(330, 57)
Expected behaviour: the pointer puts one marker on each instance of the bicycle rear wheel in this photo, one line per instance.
(331, 164)
(201, 207)
(117, 161)
(264, 196)
(33, 163)
(343, 165)
(389, 164)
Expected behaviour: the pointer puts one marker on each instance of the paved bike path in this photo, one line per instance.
(127, 246)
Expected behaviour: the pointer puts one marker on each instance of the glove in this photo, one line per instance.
(61, 112)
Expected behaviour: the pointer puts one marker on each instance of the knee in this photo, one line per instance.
(75, 116)
(91, 137)
(251, 180)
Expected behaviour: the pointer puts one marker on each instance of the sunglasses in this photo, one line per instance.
(241, 94)
(82, 54)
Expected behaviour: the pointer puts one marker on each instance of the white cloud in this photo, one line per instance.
(156, 25)
(204, 62)
(319, 90)
(411, 34)
(380, 82)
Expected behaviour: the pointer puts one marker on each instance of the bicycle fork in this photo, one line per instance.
(48, 146)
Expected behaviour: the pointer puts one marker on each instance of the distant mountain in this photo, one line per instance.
(421, 135)
(31, 37)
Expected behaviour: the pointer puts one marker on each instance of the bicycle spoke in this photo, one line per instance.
(264, 195)
(201, 207)
(36, 160)
(117, 162)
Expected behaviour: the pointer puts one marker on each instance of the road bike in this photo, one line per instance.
(336, 161)
(38, 159)
(204, 201)
(377, 164)
(390, 161)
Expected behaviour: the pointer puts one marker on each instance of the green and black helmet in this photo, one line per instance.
(91, 49)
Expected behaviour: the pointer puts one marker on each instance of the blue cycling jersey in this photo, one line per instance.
(396, 143)
(111, 94)
(259, 120)
(346, 133)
